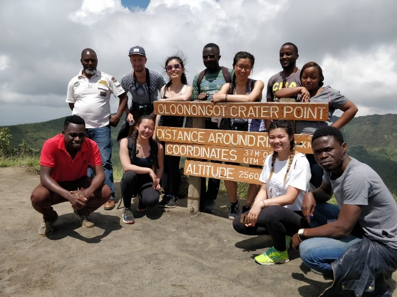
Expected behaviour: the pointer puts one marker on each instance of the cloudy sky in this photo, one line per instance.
(355, 42)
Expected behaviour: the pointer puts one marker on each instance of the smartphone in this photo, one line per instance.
(244, 218)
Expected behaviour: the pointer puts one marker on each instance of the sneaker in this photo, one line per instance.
(209, 207)
(234, 210)
(84, 220)
(128, 217)
(46, 228)
(272, 256)
(164, 201)
(287, 242)
(141, 206)
(172, 202)
(245, 208)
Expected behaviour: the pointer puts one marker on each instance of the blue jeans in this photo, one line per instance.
(102, 137)
(319, 252)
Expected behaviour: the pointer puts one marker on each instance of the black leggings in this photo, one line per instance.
(277, 221)
(172, 177)
(131, 184)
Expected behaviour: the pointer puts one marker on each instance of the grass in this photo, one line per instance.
(32, 163)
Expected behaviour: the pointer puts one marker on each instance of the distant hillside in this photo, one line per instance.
(371, 139)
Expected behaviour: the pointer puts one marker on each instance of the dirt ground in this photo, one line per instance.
(165, 253)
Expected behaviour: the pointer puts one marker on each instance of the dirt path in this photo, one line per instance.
(162, 254)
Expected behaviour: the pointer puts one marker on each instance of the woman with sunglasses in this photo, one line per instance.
(175, 90)
(312, 90)
(241, 89)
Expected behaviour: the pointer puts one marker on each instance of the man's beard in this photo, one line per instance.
(90, 72)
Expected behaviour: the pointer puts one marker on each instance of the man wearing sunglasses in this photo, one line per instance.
(88, 96)
(143, 85)
(205, 84)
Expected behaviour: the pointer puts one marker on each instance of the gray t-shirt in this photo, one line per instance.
(335, 101)
(361, 185)
(278, 81)
(139, 91)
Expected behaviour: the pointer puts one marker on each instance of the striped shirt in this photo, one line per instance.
(139, 91)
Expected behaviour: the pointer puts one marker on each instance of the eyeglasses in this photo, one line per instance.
(207, 57)
(176, 66)
(241, 67)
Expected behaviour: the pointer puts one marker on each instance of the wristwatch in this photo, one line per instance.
(300, 234)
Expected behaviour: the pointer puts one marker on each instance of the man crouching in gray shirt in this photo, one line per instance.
(361, 263)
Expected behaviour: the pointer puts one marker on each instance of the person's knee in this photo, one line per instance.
(238, 227)
(129, 177)
(308, 253)
(150, 197)
(151, 201)
(39, 196)
(106, 193)
(270, 214)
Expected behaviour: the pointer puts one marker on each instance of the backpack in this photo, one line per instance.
(235, 123)
(153, 151)
(225, 73)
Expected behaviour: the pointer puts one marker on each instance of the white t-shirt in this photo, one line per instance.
(298, 177)
(91, 97)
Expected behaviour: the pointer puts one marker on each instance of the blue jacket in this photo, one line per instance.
(366, 268)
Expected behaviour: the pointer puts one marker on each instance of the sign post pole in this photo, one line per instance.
(194, 190)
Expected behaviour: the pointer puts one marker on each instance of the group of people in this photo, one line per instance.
(76, 165)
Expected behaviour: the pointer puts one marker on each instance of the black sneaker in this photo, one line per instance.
(245, 208)
(234, 210)
(164, 201)
(172, 202)
(209, 207)
(141, 206)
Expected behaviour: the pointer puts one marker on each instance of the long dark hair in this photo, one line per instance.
(289, 128)
(153, 143)
(181, 61)
(237, 57)
(320, 71)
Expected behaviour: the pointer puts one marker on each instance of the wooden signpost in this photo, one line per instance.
(237, 147)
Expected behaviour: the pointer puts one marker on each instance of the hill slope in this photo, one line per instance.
(371, 139)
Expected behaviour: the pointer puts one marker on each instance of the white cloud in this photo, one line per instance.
(93, 10)
(40, 49)
(368, 79)
(4, 62)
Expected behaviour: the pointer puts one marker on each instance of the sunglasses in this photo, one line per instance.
(210, 57)
(176, 66)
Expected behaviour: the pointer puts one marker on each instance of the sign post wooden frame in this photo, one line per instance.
(249, 148)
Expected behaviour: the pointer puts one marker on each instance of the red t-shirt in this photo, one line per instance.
(55, 155)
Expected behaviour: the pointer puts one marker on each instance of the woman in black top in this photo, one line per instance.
(142, 159)
(175, 90)
(241, 89)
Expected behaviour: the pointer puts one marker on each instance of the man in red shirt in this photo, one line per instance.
(64, 161)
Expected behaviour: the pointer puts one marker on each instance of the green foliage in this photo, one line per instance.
(31, 162)
(5, 141)
(371, 139)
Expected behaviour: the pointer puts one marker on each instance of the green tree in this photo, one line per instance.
(5, 141)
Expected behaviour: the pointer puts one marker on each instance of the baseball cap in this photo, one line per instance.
(137, 50)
